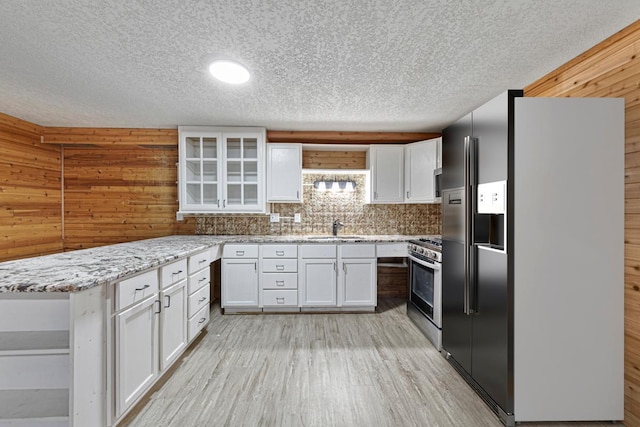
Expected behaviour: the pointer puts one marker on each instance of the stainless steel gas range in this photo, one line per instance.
(425, 287)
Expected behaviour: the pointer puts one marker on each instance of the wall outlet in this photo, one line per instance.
(274, 217)
(179, 216)
(296, 217)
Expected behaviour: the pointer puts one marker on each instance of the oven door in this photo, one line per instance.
(425, 278)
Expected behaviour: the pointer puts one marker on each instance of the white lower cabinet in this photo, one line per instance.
(173, 323)
(136, 357)
(240, 277)
(318, 283)
(357, 276)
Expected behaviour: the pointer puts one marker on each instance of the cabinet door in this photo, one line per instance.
(173, 323)
(358, 282)
(200, 171)
(318, 283)
(387, 173)
(284, 173)
(420, 161)
(240, 283)
(244, 169)
(136, 352)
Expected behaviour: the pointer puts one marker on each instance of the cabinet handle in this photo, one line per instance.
(142, 288)
(218, 202)
(344, 268)
(279, 253)
(202, 280)
(201, 261)
(334, 267)
(239, 253)
(176, 272)
(159, 306)
(280, 267)
(279, 282)
(168, 297)
(255, 266)
(224, 203)
(201, 321)
(279, 300)
(202, 299)
(408, 195)
(298, 194)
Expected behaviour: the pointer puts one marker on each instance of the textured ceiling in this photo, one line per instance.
(360, 65)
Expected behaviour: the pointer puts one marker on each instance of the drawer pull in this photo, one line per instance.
(202, 280)
(240, 253)
(142, 288)
(201, 321)
(202, 299)
(279, 282)
(177, 272)
(280, 267)
(168, 297)
(279, 253)
(159, 306)
(279, 300)
(201, 261)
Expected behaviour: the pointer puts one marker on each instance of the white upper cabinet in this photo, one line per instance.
(284, 173)
(421, 158)
(386, 163)
(221, 169)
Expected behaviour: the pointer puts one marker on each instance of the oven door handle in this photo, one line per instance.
(432, 265)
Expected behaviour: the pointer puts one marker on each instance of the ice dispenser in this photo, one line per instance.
(490, 226)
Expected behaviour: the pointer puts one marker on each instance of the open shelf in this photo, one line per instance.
(34, 342)
(30, 405)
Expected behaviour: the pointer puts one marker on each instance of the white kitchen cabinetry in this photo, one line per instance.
(284, 173)
(173, 316)
(357, 276)
(279, 277)
(318, 276)
(198, 289)
(240, 284)
(419, 164)
(221, 169)
(386, 163)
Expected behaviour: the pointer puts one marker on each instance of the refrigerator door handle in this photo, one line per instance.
(467, 223)
(470, 170)
(471, 211)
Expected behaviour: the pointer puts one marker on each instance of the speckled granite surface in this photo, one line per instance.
(83, 269)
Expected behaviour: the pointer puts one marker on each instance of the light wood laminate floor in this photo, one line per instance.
(315, 370)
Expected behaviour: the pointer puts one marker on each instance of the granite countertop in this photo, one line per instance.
(86, 268)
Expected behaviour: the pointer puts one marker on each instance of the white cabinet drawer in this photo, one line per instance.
(173, 273)
(280, 281)
(279, 251)
(317, 251)
(280, 298)
(198, 280)
(198, 300)
(391, 250)
(136, 289)
(197, 322)
(279, 265)
(240, 251)
(358, 251)
(199, 261)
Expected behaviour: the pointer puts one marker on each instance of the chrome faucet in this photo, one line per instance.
(336, 224)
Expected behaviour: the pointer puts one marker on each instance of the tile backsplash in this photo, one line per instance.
(319, 210)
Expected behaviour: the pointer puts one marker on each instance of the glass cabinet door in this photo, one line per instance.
(241, 171)
(201, 170)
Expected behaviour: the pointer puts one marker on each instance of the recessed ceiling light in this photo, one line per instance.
(229, 72)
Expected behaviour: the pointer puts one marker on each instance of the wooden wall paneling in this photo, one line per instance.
(334, 159)
(30, 192)
(117, 194)
(110, 136)
(612, 69)
(333, 137)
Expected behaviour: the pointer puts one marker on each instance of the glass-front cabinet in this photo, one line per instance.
(221, 169)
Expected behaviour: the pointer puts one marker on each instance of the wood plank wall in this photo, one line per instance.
(612, 69)
(30, 194)
(120, 193)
